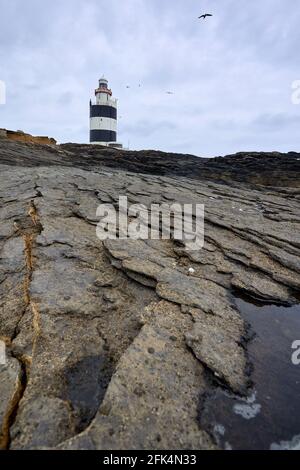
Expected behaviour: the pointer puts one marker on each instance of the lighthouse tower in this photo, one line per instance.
(103, 117)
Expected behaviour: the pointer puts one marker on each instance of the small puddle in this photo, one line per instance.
(270, 417)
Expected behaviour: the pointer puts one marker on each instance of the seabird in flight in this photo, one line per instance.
(204, 16)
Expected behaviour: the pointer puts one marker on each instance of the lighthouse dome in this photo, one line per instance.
(103, 82)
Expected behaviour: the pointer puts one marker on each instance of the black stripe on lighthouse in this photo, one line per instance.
(98, 110)
(103, 136)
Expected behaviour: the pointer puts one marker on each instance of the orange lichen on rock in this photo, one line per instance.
(26, 138)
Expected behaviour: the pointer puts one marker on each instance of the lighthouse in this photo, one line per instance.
(103, 117)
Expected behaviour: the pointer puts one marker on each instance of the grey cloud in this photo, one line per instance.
(148, 128)
(231, 75)
(278, 121)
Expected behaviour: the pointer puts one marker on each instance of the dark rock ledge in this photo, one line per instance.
(115, 344)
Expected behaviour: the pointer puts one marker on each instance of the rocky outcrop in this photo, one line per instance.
(20, 136)
(115, 344)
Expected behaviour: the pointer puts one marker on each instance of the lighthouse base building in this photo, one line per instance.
(103, 117)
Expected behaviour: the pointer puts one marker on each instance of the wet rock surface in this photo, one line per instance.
(118, 344)
(268, 418)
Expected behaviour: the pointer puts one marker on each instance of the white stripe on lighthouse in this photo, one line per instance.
(102, 123)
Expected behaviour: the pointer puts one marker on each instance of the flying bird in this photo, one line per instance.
(204, 16)
(169, 93)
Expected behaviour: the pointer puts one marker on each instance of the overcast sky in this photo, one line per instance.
(231, 74)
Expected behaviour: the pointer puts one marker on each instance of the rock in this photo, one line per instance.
(152, 400)
(216, 342)
(20, 136)
(114, 344)
(11, 392)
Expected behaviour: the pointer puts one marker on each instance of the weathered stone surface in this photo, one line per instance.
(216, 342)
(114, 344)
(10, 379)
(152, 400)
(20, 136)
